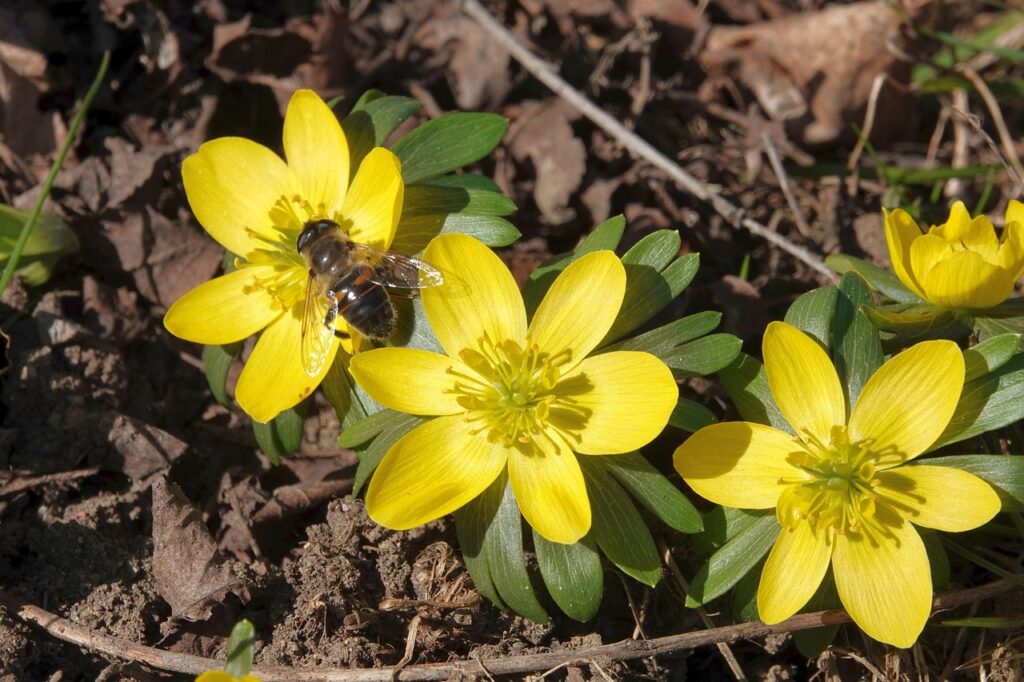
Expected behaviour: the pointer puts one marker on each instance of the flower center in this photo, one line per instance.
(839, 493)
(515, 395)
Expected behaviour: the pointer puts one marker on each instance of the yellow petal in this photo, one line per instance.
(794, 570)
(885, 582)
(908, 402)
(580, 307)
(977, 234)
(232, 184)
(409, 380)
(431, 471)
(216, 676)
(374, 201)
(625, 399)
(551, 493)
(739, 464)
(273, 379)
(1011, 251)
(225, 309)
(966, 280)
(1015, 212)
(939, 497)
(803, 381)
(479, 297)
(900, 232)
(925, 253)
(317, 152)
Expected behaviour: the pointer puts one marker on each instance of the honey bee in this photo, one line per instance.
(352, 280)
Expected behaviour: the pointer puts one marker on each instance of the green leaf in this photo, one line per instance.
(607, 235)
(216, 364)
(349, 401)
(921, 322)
(371, 456)
(938, 558)
(882, 280)
(663, 339)
(415, 233)
(812, 312)
(572, 574)
(267, 441)
(437, 200)
(745, 382)
(503, 547)
(367, 428)
(240, 649)
(448, 142)
(691, 416)
(1005, 473)
(288, 427)
(812, 642)
(650, 487)
(704, 356)
(466, 181)
(371, 121)
(990, 355)
(412, 328)
(987, 403)
(744, 595)
(857, 347)
(617, 526)
(49, 242)
(655, 276)
(721, 524)
(733, 561)
(471, 524)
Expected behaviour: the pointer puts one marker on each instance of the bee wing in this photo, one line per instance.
(317, 334)
(395, 270)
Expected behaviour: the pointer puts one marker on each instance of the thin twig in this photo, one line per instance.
(780, 173)
(869, 122)
(17, 484)
(546, 74)
(954, 186)
(684, 586)
(624, 650)
(989, 99)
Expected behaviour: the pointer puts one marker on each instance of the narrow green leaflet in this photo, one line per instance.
(436, 199)
(744, 595)
(412, 329)
(288, 427)
(733, 561)
(471, 524)
(704, 356)
(465, 181)
(448, 142)
(572, 574)
(607, 235)
(989, 402)
(240, 649)
(691, 416)
(372, 120)
(503, 547)
(618, 528)
(371, 456)
(216, 363)
(1005, 473)
(813, 641)
(349, 401)
(812, 313)
(650, 487)
(663, 339)
(722, 524)
(938, 558)
(912, 323)
(746, 384)
(857, 348)
(268, 442)
(990, 355)
(882, 280)
(415, 232)
(367, 428)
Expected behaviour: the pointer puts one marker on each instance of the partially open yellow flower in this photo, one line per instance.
(960, 264)
(508, 394)
(222, 676)
(839, 487)
(255, 204)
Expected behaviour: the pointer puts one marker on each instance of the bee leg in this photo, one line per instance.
(332, 310)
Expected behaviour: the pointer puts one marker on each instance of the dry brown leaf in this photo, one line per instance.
(543, 135)
(190, 573)
(143, 450)
(476, 65)
(179, 259)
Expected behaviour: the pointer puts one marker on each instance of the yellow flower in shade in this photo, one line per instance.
(960, 264)
(841, 488)
(508, 394)
(255, 204)
(222, 676)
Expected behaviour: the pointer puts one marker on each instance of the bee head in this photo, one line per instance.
(312, 230)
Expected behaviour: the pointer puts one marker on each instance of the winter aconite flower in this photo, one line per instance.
(962, 263)
(841, 488)
(255, 204)
(511, 395)
(222, 676)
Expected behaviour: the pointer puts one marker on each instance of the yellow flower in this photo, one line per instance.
(222, 676)
(839, 487)
(511, 395)
(961, 263)
(255, 204)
